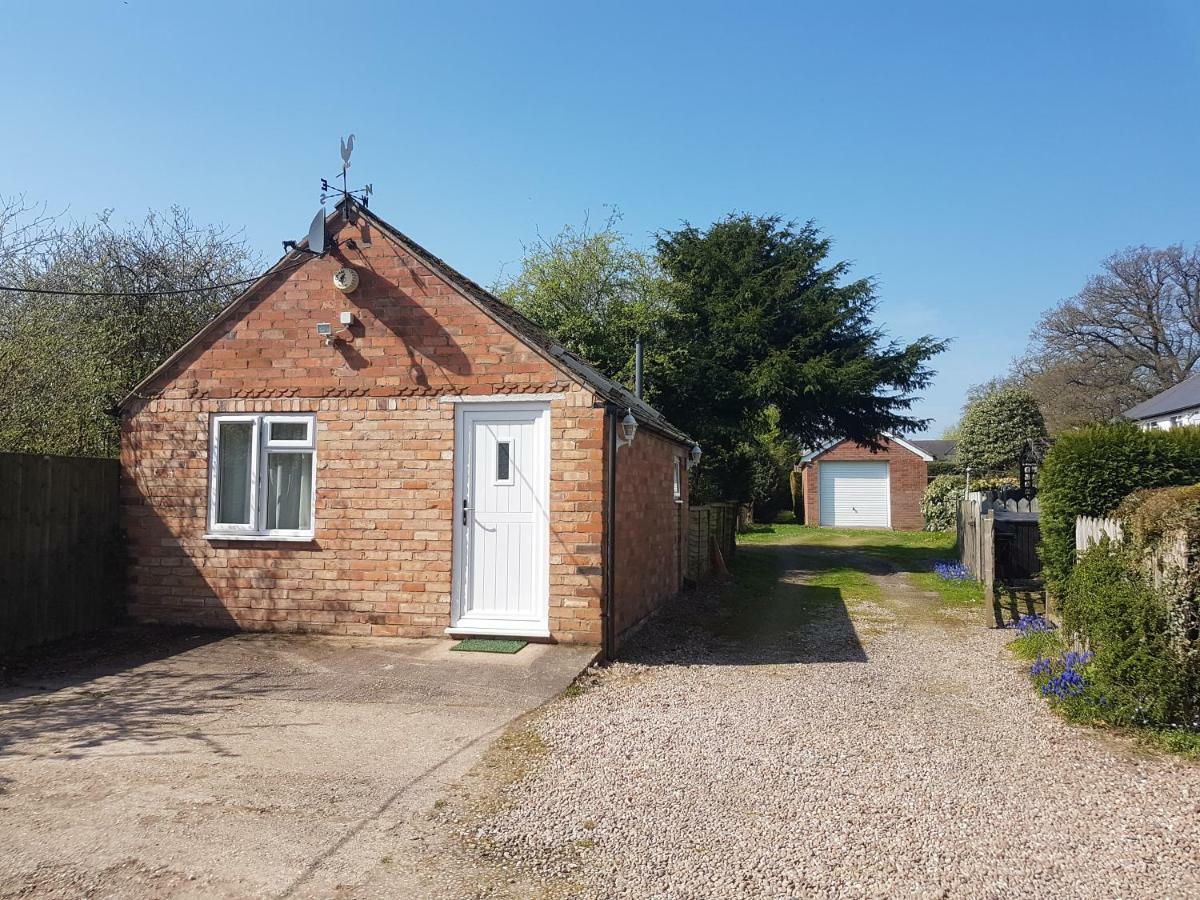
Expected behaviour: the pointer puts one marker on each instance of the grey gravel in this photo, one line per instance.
(785, 768)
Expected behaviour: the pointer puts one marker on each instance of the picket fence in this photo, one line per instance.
(1090, 529)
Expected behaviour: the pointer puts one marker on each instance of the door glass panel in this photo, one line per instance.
(289, 491)
(504, 462)
(234, 440)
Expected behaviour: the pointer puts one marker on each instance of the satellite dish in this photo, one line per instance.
(316, 233)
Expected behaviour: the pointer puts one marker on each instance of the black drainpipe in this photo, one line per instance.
(607, 620)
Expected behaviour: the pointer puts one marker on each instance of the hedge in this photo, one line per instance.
(1139, 674)
(1088, 472)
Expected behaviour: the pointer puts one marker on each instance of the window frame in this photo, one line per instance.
(677, 478)
(262, 446)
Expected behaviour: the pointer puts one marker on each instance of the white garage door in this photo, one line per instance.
(855, 494)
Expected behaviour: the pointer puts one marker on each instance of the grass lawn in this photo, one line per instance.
(911, 552)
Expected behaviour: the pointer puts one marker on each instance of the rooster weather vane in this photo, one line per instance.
(318, 242)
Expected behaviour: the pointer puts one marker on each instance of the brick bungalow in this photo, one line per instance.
(406, 455)
(848, 485)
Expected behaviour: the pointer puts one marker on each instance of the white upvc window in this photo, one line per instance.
(262, 476)
(677, 477)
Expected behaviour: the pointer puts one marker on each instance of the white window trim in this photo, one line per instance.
(262, 447)
(677, 479)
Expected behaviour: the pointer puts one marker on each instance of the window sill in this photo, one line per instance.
(272, 538)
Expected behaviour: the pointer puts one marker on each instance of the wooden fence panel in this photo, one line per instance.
(59, 560)
(711, 526)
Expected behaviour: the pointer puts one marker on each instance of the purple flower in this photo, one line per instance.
(951, 570)
(1034, 624)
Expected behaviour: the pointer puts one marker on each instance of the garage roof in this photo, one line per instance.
(813, 454)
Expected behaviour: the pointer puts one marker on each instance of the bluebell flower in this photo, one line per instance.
(951, 570)
(1034, 624)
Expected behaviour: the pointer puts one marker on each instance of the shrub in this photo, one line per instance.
(940, 500)
(995, 428)
(1089, 471)
(1140, 672)
(941, 497)
(1162, 531)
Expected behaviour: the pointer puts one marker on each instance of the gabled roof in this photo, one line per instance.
(813, 454)
(513, 321)
(939, 450)
(1178, 398)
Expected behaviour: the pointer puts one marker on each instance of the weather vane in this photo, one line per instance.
(318, 241)
(362, 195)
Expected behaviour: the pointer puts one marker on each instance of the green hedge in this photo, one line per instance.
(1089, 471)
(1136, 676)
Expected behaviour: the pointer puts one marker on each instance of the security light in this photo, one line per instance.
(694, 456)
(629, 427)
(325, 329)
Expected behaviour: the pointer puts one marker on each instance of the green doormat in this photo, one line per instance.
(489, 645)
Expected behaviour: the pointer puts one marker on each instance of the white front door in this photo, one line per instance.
(502, 519)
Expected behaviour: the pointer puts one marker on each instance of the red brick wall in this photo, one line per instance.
(907, 471)
(650, 528)
(381, 559)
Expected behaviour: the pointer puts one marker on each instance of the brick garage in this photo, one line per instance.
(881, 488)
(277, 480)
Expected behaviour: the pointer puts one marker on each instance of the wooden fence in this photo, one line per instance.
(997, 540)
(1089, 530)
(59, 553)
(710, 528)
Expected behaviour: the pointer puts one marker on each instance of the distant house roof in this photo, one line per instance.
(1183, 396)
(939, 450)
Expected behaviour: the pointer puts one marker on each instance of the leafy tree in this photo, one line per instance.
(594, 293)
(765, 325)
(995, 428)
(66, 359)
(1131, 332)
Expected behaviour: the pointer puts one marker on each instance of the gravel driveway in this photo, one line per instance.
(885, 748)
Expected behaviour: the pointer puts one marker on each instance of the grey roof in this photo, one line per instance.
(583, 371)
(939, 450)
(1180, 397)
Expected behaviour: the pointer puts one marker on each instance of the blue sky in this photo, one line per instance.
(978, 160)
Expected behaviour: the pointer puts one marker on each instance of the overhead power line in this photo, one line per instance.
(168, 293)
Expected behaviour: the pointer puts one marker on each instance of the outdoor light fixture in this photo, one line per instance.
(694, 456)
(629, 427)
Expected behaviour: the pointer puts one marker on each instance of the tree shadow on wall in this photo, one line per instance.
(429, 345)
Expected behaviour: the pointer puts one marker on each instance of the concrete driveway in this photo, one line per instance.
(174, 764)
